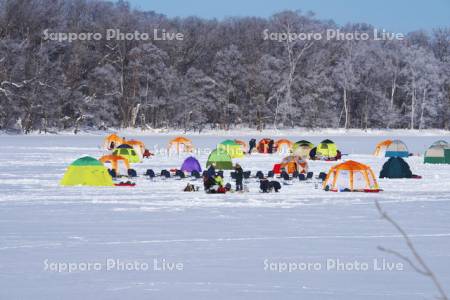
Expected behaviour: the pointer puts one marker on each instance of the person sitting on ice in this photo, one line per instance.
(218, 180)
(264, 185)
(211, 170)
(275, 185)
(284, 175)
(208, 184)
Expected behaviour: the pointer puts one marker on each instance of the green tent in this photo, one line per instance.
(87, 171)
(302, 148)
(128, 152)
(304, 143)
(221, 159)
(326, 149)
(437, 154)
(440, 143)
(233, 149)
(396, 167)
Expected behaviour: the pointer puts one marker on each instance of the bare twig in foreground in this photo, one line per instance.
(418, 264)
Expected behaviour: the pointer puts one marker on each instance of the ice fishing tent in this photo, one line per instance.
(302, 148)
(396, 167)
(326, 150)
(263, 145)
(128, 152)
(294, 163)
(440, 143)
(233, 149)
(87, 171)
(118, 163)
(243, 145)
(138, 146)
(191, 164)
(380, 149)
(220, 159)
(351, 176)
(397, 149)
(437, 154)
(180, 144)
(283, 145)
(112, 141)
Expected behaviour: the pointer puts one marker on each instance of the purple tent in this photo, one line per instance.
(191, 164)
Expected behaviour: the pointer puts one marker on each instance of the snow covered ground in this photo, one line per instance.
(227, 246)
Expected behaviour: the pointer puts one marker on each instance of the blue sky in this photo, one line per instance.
(394, 15)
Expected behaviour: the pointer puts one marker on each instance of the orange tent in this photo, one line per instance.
(115, 160)
(283, 144)
(181, 144)
(351, 176)
(294, 163)
(263, 146)
(137, 145)
(112, 141)
(381, 147)
(243, 145)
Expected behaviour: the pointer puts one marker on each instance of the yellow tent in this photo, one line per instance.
(233, 149)
(87, 171)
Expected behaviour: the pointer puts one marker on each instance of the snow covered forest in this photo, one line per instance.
(223, 74)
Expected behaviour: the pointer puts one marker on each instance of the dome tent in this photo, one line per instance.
(396, 167)
(397, 149)
(191, 164)
(118, 163)
(138, 146)
(351, 176)
(112, 141)
(302, 148)
(220, 159)
(326, 150)
(437, 154)
(440, 143)
(283, 145)
(233, 149)
(128, 152)
(86, 171)
(293, 163)
(380, 149)
(263, 145)
(243, 145)
(181, 144)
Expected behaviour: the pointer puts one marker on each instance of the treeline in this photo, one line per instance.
(223, 74)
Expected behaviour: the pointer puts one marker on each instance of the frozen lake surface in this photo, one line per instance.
(226, 246)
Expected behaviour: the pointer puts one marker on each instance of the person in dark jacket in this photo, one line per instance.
(208, 184)
(239, 177)
(264, 185)
(251, 145)
(211, 171)
(275, 185)
(270, 146)
(284, 175)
